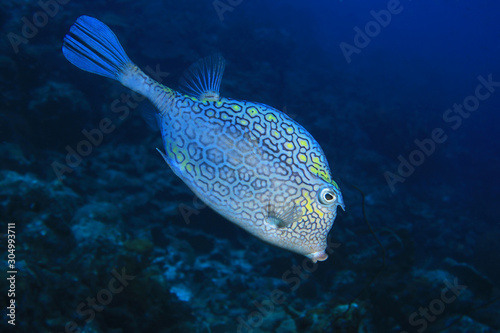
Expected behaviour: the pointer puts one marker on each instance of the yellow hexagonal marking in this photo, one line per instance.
(326, 177)
(270, 117)
(236, 107)
(308, 203)
(313, 170)
(252, 112)
(243, 122)
(194, 99)
(260, 129)
(289, 145)
(276, 134)
(303, 143)
(180, 157)
(302, 158)
(319, 171)
(289, 130)
(189, 167)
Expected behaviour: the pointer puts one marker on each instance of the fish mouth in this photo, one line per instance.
(317, 256)
(340, 200)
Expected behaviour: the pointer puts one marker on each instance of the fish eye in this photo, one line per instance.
(327, 196)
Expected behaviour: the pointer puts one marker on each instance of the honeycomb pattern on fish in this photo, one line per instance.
(240, 156)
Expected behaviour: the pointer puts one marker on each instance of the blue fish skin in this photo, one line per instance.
(249, 162)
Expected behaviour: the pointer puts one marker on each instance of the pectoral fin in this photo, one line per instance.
(282, 215)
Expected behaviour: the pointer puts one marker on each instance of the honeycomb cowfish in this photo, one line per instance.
(249, 162)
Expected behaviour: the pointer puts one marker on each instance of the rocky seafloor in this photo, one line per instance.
(184, 269)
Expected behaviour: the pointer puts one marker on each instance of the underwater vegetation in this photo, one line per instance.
(104, 237)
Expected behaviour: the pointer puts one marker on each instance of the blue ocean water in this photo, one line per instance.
(403, 96)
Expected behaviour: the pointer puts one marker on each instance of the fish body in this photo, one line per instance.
(249, 162)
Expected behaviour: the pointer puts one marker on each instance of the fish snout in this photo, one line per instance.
(318, 256)
(340, 200)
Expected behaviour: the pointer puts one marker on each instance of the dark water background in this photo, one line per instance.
(120, 209)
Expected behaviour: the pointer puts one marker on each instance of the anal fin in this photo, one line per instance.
(172, 166)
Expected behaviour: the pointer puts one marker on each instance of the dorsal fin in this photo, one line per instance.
(202, 79)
